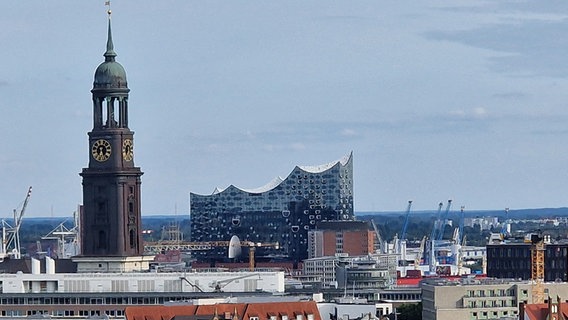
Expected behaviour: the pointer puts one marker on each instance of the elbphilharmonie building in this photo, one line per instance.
(282, 211)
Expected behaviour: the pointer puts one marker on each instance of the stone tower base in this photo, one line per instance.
(113, 264)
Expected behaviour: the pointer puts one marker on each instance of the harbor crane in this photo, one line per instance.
(437, 234)
(460, 227)
(11, 234)
(405, 226)
(443, 221)
(382, 245)
(399, 242)
(67, 242)
(504, 225)
(418, 256)
(433, 234)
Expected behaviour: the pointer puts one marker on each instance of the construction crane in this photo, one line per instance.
(537, 268)
(167, 245)
(11, 234)
(252, 249)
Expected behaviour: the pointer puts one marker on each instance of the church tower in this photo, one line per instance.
(111, 217)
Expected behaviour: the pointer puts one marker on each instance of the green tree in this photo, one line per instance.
(410, 311)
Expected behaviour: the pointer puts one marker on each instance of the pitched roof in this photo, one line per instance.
(540, 311)
(264, 310)
(243, 310)
(158, 312)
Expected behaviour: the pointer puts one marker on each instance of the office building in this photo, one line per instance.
(513, 260)
(480, 298)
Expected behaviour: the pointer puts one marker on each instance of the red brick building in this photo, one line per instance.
(330, 237)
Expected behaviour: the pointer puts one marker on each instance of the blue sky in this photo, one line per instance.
(437, 99)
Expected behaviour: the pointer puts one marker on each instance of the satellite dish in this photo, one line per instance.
(234, 247)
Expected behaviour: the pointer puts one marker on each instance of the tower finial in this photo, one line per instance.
(109, 54)
(107, 3)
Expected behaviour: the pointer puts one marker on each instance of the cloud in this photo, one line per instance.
(510, 95)
(478, 113)
(522, 43)
(346, 132)
(298, 146)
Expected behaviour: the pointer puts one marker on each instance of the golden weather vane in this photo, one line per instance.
(107, 3)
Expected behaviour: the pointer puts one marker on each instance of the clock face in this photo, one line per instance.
(101, 150)
(127, 150)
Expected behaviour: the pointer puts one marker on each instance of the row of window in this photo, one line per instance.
(61, 313)
(86, 300)
(491, 303)
(492, 314)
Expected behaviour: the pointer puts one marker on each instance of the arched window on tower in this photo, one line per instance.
(132, 238)
(123, 112)
(102, 240)
(98, 113)
(111, 121)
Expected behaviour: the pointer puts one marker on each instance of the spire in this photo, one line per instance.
(109, 54)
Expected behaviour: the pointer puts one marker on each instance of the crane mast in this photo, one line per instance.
(537, 268)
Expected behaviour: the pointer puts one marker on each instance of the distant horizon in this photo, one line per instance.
(357, 213)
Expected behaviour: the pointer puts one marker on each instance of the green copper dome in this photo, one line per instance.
(110, 74)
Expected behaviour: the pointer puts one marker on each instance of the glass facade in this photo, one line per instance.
(284, 213)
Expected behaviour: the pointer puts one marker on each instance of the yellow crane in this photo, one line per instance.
(537, 268)
(162, 246)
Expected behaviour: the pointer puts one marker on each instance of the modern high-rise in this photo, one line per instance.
(282, 211)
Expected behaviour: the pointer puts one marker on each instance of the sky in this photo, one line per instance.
(437, 100)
